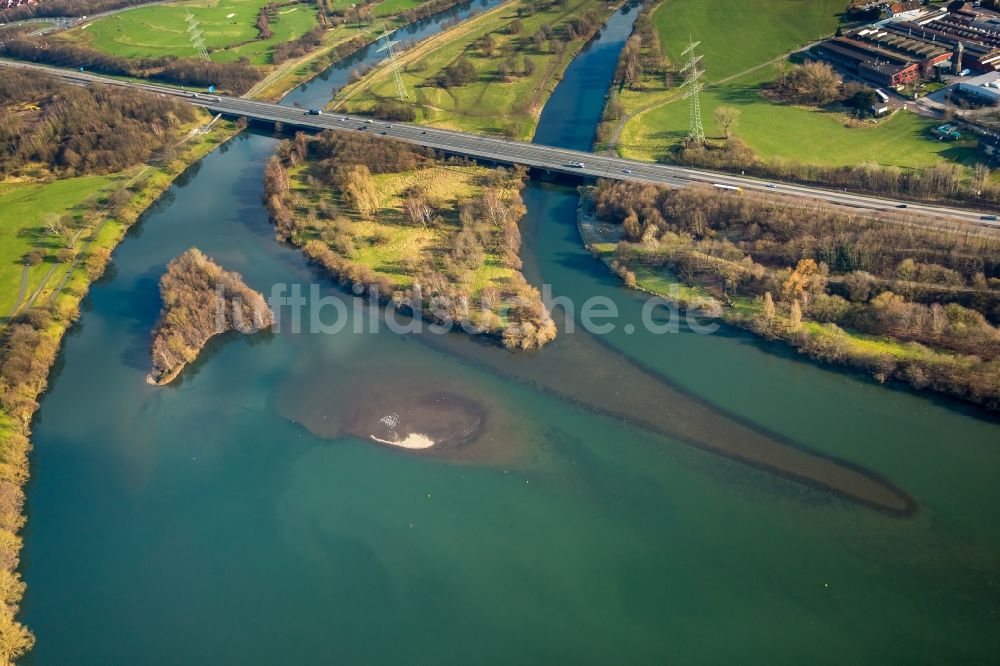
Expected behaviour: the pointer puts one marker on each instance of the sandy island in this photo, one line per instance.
(413, 440)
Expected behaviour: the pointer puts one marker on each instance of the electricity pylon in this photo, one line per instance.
(390, 46)
(692, 92)
(195, 36)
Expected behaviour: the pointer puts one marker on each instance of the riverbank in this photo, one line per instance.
(491, 74)
(573, 518)
(146, 184)
(653, 266)
(57, 302)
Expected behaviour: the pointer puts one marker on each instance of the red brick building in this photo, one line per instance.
(879, 66)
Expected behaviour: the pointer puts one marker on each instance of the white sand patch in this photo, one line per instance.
(231, 15)
(413, 440)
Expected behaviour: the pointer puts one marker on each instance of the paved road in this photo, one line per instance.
(519, 152)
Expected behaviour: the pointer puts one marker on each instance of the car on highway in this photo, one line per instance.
(626, 170)
(369, 121)
(314, 112)
(771, 186)
(900, 205)
(578, 165)
(989, 218)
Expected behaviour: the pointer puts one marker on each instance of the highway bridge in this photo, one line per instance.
(510, 151)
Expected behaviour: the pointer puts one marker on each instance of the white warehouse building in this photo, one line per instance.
(985, 87)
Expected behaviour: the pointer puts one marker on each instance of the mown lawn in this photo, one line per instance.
(797, 134)
(738, 34)
(393, 7)
(739, 40)
(22, 227)
(229, 28)
(488, 104)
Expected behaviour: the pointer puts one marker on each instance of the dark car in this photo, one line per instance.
(315, 112)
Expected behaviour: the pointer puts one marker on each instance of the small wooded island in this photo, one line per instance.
(200, 301)
(438, 237)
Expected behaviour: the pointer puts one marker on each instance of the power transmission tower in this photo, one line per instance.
(692, 86)
(195, 36)
(390, 46)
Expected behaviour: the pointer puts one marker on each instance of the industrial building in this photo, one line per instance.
(927, 55)
(879, 66)
(918, 41)
(985, 89)
(990, 145)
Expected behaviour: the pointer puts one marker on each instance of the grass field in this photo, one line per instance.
(488, 104)
(391, 245)
(393, 7)
(25, 206)
(794, 133)
(228, 26)
(738, 34)
(742, 41)
(22, 228)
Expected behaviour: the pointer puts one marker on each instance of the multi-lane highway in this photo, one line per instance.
(520, 152)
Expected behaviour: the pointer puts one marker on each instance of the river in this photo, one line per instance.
(203, 523)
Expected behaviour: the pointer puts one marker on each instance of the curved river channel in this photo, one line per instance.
(630, 498)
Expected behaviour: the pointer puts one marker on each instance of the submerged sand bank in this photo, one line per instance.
(413, 440)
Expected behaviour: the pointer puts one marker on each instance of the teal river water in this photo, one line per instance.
(202, 523)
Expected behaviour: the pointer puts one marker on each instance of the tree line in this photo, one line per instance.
(944, 181)
(441, 284)
(642, 54)
(200, 301)
(26, 354)
(77, 130)
(813, 274)
(232, 77)
(512, 52)
(296, 48)
(59, 8)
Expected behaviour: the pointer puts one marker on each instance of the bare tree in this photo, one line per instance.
(728, 117)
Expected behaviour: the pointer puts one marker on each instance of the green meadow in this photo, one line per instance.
(798, 134)
(388, 8)
(22, 228)
(738, 34)
(488, 104)
(742, 44)
(229, 28)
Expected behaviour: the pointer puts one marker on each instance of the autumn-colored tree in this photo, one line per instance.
(769, 311)
(795, 316)
(359, 189)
